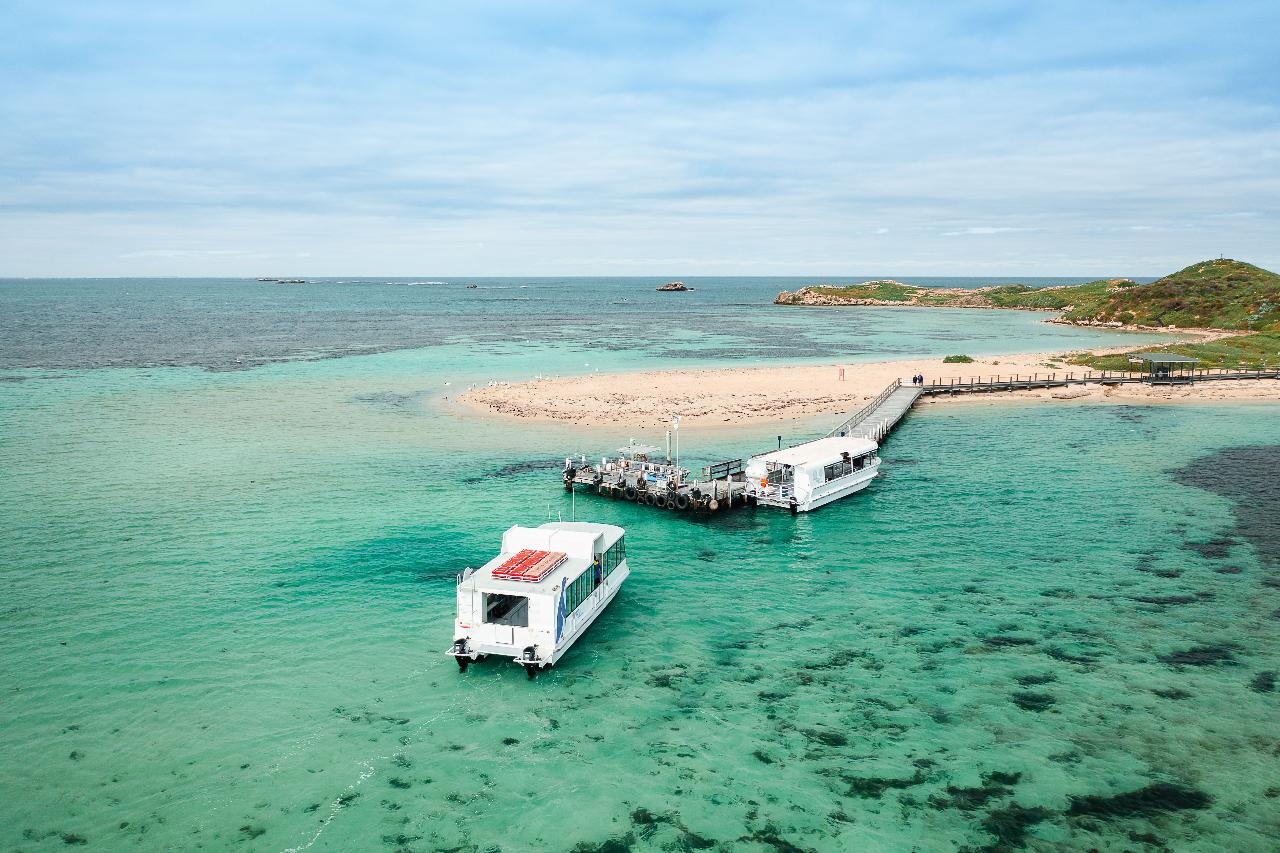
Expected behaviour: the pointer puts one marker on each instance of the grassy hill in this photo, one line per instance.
(1261, 349)
(1220, 294)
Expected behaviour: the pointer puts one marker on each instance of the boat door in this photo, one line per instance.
(504, 634)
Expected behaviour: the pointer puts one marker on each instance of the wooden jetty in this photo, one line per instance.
(874, 420)
(723, 485)
(657, 482)
(1027, 381)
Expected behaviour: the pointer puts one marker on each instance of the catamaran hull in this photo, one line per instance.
(838, 491)
(824, 494)
(474, 651)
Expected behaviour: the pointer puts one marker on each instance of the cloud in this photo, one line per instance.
(506, 137)
(985, 229)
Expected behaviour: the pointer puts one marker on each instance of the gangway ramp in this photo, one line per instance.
(874, 420)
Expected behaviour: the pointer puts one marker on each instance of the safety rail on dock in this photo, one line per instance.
(866, 411)
(1020, 382)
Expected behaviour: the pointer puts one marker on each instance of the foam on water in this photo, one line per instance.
(226, 596)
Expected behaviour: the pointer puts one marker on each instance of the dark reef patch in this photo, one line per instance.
(1228, 570)
(1011, 824)
(648, 822)
(826, 737)
(770, 838)
(1035, 679)
(1065, 656)
(390, 399)
(1001, 641)
(616, 844)
(1217, 548)
(1029, 700)
(1264, 682)
(994, 786)
(1148, 838)
(1153, 799)
(400, 841)
(515, 469)
(1247, 477)
(1171, 693)
(1200, 656)
(1166, 600)
(873, 787)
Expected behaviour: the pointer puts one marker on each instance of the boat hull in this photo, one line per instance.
(548, 649)
(822, 497)
(823, 494)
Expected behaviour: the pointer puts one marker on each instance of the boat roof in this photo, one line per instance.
(820, 450)
(539, 560)
(638, 449)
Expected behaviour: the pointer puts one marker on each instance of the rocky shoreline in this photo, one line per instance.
(920, 297)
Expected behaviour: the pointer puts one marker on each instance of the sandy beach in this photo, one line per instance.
(733, 396)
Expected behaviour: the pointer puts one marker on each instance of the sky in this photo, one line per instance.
(639, 138)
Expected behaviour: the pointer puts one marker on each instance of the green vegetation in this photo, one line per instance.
(1076, 296)
(1079, 297)
(958, 359)
(885, 291)
(1221, 294)
(1257, 350)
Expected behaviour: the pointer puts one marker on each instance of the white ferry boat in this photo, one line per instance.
(813, 474)
(538, 596)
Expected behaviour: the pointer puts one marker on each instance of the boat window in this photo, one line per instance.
(839, 469)
(502, 609)
(612, 558)
(579, 589)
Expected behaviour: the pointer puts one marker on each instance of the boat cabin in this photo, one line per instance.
(812, 474)
(540, 592)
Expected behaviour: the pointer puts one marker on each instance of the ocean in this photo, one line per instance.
(232, 514)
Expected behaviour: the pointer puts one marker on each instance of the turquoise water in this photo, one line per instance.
(226, 596)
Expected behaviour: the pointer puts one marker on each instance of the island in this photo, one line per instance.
(673, 287)
(1222, 313)
(1214, 294)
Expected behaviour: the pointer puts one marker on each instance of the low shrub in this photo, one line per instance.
(957, 359)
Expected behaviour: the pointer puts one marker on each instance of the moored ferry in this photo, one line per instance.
(536, 598)
(813, 474)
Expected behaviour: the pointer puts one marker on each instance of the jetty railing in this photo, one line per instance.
(1018, 381)
(866, 411)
